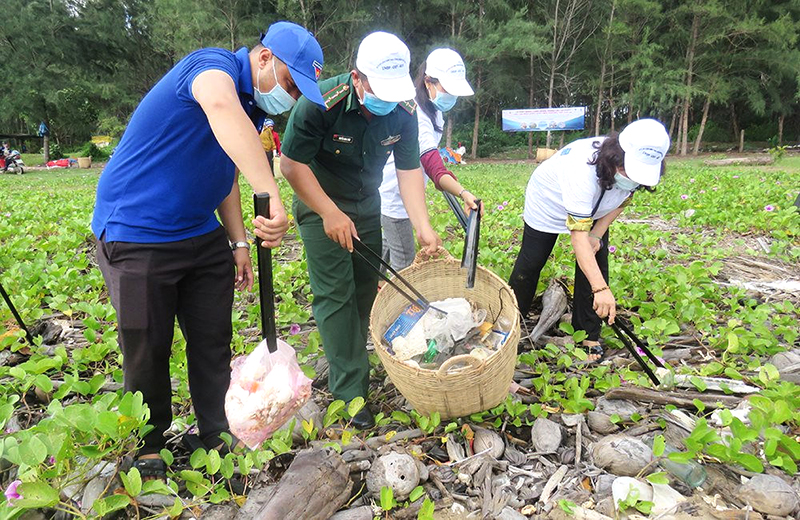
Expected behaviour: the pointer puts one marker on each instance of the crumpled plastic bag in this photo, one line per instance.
(266, 391)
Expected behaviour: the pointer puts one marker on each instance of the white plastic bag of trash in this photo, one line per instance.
(446, 321)
(266, 390)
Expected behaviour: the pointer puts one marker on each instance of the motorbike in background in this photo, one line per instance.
(12, 163)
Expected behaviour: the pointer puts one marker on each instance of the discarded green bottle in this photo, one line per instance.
(691, 473)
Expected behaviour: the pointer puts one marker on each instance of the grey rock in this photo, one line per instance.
(93, 490)
(220, 512)
(510, 514)
(621, 455)
(545, 435)
(571, 419)
(601, 423)
(784, 360)
(396, 470)
(602, 485)
(621, 407)
(769, 494)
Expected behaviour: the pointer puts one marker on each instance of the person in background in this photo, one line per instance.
(334, 162)
(581, 190)
(277, 139)
(268, 142)
(160, 247)
(440, 81)
(5, 150)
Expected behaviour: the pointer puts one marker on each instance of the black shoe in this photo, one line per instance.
(364, 420)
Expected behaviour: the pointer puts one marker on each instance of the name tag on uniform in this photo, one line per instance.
(390, 140)
(342, 138)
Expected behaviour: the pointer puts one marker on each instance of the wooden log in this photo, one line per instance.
(759, 160)
(681, 399)
(314, 487)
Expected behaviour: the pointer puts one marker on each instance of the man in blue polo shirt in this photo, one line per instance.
(161, 249)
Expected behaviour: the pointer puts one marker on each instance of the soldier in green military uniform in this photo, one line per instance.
(334, 159)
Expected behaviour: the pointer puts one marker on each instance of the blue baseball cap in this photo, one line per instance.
(299, 50)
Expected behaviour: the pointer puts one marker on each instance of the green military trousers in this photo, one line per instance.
(344, 288)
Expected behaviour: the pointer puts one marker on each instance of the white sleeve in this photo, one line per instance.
(579, 189)
(428, 140)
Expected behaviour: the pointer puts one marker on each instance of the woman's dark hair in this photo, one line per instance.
(610, 156)
(423, 97)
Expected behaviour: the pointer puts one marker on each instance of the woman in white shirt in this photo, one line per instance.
(580, 191)
(441, 80)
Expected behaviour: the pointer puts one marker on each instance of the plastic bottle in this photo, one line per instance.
(691, 473)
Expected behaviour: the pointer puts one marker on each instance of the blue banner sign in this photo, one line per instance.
(544, 119)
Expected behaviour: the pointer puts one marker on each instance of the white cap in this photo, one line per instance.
(645, 143)
(447, 66)
(384, 60)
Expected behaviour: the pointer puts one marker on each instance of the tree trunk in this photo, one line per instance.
(699, 139)
(672, 123)
(46, 146)
(603, 62)
(553, 67)
(474, 151)
(689, 73)
(611, 107)
(741, 140)
(780, 129)
(630, 101)
(734, 122)
(530, 105)
(448, 132)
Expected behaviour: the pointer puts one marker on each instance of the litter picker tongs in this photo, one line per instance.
(266, 292)
(364, 251)
(17, 317)
(619, 328)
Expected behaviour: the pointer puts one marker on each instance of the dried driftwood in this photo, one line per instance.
(681, 399)
(758, 160)
(314, 487)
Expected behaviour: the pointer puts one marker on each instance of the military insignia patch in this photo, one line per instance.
(342, 138)
(390, 140)
(317, 68)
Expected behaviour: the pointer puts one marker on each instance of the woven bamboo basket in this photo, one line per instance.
(464, 390)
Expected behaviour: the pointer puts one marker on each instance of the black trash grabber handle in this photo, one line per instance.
(452, 201)
(625, 341)
(266, 292)
(469, 260)
(17, 317)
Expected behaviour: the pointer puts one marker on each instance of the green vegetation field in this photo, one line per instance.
(680, 259)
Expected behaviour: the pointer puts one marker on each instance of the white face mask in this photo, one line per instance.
(624, 183)
(276, 101)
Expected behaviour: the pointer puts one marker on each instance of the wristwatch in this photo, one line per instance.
(237, 245)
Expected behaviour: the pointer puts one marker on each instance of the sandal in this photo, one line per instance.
(594, 350)
(151, 468)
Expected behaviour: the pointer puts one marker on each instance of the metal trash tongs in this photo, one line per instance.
(363, 251)
(620, 328)
(16, 315)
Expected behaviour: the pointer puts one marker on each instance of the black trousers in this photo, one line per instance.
(152, 284)
(533, 255)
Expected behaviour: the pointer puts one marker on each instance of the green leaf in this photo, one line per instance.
(681, 457)
(213, 462)
(132, 481)
(104, 506)
(199, 458)
(401, 417)
(658, 478)
(167, 456)
(658, 445)
(698, 383)
(426, 511)
(155, 486)
(355, 406)
(416, 493)
(750, 462)
(387, 498)
(644, 507)
(781, 412)
(36, 494)
(701, 407)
